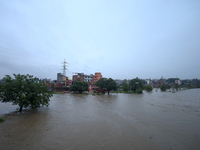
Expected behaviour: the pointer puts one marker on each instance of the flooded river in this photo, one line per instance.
(155, 120)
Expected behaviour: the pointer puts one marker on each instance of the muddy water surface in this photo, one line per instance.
(156, 120)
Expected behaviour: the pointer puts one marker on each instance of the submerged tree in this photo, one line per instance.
(79, 86)
(163, 88)
(106, 84)
(111, 85)
(149, 88)
(25, 91)
(135, 85)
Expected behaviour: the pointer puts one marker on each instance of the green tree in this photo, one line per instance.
(79, 86)
(111, 85)
(106, 84)
(143, 81)
(176, 87)
(135, 84)
(172, 80)
(168, 86)
(101, 83)
(124, 82)
(163, 88)
(125, 88)
(139, 91)
(25, 91)
(149, 88)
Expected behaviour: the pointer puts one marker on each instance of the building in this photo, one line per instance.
(160, 82)
(68, 82)
(60, 77)
(96, 77)
(88, 78)
(79, 77)
(178, 82)
(148, 81)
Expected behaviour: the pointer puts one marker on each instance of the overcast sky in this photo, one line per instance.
(123, 39)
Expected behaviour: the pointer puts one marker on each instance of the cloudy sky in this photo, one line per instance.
(123, 39)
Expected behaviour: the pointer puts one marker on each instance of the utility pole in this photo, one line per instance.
(64, 67)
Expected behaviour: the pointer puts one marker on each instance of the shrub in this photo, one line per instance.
(168, 86)
(149, 88)
(163, 88)
(2, 120)
(139, 91)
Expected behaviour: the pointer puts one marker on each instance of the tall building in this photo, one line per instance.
(60, 77)
(96, 77)
(88, 78)
(79, 77)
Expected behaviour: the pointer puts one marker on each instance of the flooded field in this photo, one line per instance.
(153, 120)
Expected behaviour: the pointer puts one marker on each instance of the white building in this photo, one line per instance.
(178, 82)
(88, 78)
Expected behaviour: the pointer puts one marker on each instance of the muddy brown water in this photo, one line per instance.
(155, 120)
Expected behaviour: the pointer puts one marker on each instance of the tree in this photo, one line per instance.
(149, 88)
(124, 82)
(79, 86)
(143, 81)
(111, 85)
(135, 84)
(176, 87)
(163, 88)
(172, 80)
(139, 91)
(25, 91)
(167, 86)
(101, 83)
(106, 84)
(125, 88)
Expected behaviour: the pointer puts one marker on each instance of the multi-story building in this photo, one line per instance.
(68, 82)
(60, 77)
(91, 79)
(178, 82)
(96, 77)
(63, 80)
(79, 77)
(88, 78)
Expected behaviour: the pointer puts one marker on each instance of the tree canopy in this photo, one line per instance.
(163, 88)
(25, 91)
(136, 84)
(79, 86)
(172, 80)
(106, 84)
(124, 82)
(125, 87)
(149, 88)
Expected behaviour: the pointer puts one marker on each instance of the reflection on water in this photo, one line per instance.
(154, 120)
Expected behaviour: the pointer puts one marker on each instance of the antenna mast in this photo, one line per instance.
(64, 67)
